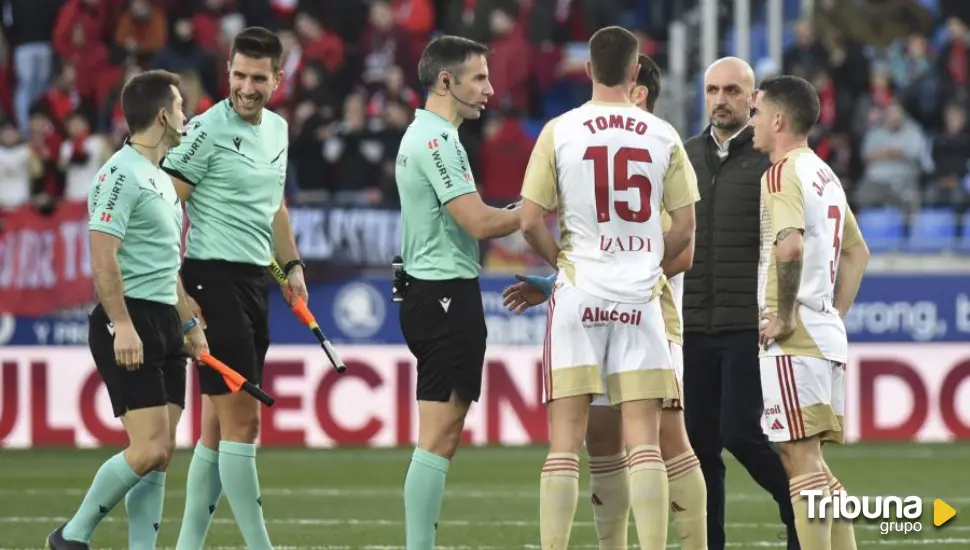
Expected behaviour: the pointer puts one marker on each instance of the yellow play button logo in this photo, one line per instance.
(942, 512)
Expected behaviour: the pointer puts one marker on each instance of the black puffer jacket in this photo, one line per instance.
(721, 290)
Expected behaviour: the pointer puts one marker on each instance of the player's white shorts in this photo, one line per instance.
(804, 397)
(596, 346)
(677, 403)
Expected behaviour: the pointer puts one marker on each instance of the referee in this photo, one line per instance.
(442, 318)
(136, 330)
(722, 377)
(230, 171)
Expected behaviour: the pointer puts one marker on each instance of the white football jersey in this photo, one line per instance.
(609, 170)
(801, 192)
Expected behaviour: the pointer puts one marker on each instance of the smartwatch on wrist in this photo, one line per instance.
(291, 264)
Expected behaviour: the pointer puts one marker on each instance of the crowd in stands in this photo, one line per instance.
(893, 77)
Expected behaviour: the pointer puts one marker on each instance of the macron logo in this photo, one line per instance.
(445, 304)
(111, 329)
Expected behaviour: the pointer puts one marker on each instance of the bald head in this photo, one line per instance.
(731, 69)
(728, 88)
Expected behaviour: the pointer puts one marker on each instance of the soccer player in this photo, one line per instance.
(812, 261)
(609, 479)
(143, 320)
(442, 317)
(230, 170)
(609, 169)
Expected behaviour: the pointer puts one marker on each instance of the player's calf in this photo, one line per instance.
(688, 492)
(649, 491)
(806, 472)
(559, 480)
(204, 487)
(843, 531)
(609, 482)
(145, 501)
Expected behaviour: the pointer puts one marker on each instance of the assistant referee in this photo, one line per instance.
(230, 170)
(442, 317)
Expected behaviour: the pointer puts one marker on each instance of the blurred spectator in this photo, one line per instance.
(195, 100)
(951, 159)
(291, 64)
(473, 18)
(807, 55)
(909, 61)
(27, 26)
(509, 68)
(45, 146)
(318, 45)
(416, 17)
(953, 62)
(893, 152)
(503, 157)
(88, 56)
(90, 16)
(82, 154)
(395, 90)
(207, 23)
(356, 151)
(15, 168)
(876, 97)
(183, 54)
(382, 46)
(142, 29)
(396, 118)
(309, 131)
(62, 98)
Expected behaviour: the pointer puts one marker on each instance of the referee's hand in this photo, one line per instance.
(128, 347)
(295, 287)
(196, 342)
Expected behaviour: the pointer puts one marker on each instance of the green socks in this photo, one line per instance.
(204, 488)
(143, 503)
(237, 468)
(424, 489)
(113, 480)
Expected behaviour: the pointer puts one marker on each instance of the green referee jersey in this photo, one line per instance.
(432, 169)
(135, 201)
(238, 171)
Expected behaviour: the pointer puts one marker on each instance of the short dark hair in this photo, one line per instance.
(612, 51)
(796, 97)
(649, 76)
(144, 95)
(258, 43)
(446, 53)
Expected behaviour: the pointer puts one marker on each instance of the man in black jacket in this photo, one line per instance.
(722, 383)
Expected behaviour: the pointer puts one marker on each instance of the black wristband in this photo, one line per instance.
(291, 264)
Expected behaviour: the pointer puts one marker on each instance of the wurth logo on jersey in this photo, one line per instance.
(629, 243)
(596, 315)
(105, 217)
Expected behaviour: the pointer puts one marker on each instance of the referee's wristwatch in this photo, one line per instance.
(291, 264)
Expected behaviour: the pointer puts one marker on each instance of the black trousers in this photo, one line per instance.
(723, 408)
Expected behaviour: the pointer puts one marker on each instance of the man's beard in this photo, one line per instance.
(732, 124)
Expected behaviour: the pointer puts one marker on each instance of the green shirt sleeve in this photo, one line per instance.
(189, 161)
(446, 165)
(114, 201)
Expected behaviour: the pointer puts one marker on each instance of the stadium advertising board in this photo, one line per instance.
(53, 396)
(359, 311)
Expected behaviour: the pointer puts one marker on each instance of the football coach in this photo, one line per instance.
(722, 380)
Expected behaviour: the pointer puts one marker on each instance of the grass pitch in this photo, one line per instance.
(347, 499)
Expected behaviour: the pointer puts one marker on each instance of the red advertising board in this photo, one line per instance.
(44, 260)
(53, 396)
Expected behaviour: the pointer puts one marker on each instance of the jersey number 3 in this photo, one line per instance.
(835, 214)
(622, 180)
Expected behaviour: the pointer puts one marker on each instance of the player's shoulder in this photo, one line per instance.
(276, 121)
(211, 118)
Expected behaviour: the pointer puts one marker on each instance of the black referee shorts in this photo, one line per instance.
(234, 298)
(161, 377)
(443, 323)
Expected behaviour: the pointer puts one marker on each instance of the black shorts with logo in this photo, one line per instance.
(234, 298)
(161, 377)
(443, 323)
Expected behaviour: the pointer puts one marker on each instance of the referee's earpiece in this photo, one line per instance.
(447, 83)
